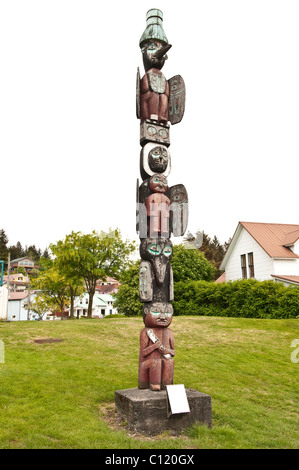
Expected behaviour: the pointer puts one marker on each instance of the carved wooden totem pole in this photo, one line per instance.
(162, 211)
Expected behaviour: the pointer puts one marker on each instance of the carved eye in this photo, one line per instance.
(167, 250)
(179, 197)
(156, 314)
(156, 180)
(154, 249)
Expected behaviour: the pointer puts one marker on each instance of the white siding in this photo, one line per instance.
(263, 264)
(286, 267)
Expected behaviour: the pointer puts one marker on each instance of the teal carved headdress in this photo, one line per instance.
(154, 28)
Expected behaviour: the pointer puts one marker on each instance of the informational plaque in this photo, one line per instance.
(177, 401)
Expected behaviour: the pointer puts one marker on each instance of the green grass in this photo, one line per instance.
(56, 395)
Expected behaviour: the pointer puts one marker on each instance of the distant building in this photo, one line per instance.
(17, 282)
(263, 251)
(102, 305)
(110, 286)
(25, 262)
(17, 303)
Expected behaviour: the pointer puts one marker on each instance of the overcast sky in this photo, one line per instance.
(69, 143)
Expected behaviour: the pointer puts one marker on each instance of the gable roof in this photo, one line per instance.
(271, 237)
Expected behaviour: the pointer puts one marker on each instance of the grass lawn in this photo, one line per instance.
(61, 395)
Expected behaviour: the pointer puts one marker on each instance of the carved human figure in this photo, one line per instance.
(155, 272)
(157, 206)
(156, 363)
(154, 88)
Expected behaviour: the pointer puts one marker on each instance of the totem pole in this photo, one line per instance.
(162, 211)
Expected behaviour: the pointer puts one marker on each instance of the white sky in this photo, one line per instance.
(69, 142)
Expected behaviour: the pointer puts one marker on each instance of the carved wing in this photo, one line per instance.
(138, 94)
(178, 210)
(145, 281)
(177, 98)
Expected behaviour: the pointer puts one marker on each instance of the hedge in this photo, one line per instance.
(244, 298)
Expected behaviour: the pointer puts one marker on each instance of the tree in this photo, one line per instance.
(127, 298)
(21, 270)
(94, 256)
(212, 248)
(73, 279)
(53, 288)
(3, 246)
(16, 251)
(190, 264)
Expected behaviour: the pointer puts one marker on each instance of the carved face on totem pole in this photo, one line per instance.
(158, 159)
(157, 314)
(155, 274)
(158, 184)
(154, 54)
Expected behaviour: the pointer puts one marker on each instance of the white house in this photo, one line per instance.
(17, 303)
(102, 305)
(263, 251)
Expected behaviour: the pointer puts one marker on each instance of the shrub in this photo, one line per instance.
(244, 298)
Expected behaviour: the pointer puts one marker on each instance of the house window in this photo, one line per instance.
(243, 267)
(250, 265)
(103, 311)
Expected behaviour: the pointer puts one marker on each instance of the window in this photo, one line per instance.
(243, 267)
(250, 265)
(103, 311)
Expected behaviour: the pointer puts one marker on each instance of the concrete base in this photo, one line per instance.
(147, 411)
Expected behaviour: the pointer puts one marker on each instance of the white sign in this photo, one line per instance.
(177, 399)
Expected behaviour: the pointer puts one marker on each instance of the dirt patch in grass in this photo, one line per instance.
(48, 340)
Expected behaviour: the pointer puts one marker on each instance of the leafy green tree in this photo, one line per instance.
(94, 256)
(73, 279)
(16, 251)
(190, 264)
(127, 298)
(3, 246)
(54, 292)
(212, 248)
(21, 270)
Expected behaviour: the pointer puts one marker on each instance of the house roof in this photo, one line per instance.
(18, 295)
(271, 237)
(107, 289)
(14, 278)
(221, 278)
(292, 279)
(291, 238)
